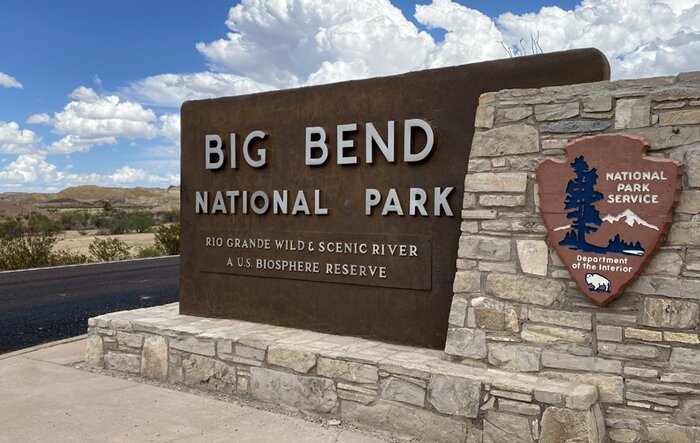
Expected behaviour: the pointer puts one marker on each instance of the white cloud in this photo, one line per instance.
(639, 37)
(170, 126)
(93, 116)
(173, 89)
(290, 43)
(14, 140)
(75, 143)
(40, 119)
(286, 42)
(91, 119)
(127, 174)
(471, 36)
(7, 81)
(29, 168)
(33, 172)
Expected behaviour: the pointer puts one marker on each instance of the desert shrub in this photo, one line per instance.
(27, 251)
(168, 217)
(109, 249)
(99, 220)
(150, 251)
(118, 225)
(168, 238)
(11, 228)
(74, 220)
(39, 223)
(63, 257)
(140, 221)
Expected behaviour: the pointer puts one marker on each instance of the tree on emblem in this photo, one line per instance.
(580, 199)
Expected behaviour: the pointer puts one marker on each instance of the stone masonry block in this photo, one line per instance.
(399, 389)
(539, 291)
(632, 113)
(515, 357)
(533, 256)
(674, 314)
(466, 342)
(610, 387)
(295, 358)
(346, 370)
(665, 263)
(496, 182)
(94, 351)
(556, 111)
(482, 247)
(119, 361)
(597, 103)
(208, 373)
(313, 394)
(579, 320)
(692, 169)
(499, 427)
(494, 315)
(467, 281)
(561, 425)
(686, 359)
(194, 345)
(683, 117)
(551, 334)
(561, 360)
(458, 311)
(500, 200)
(484, 117)
(509, 115)
(154, 360)
(508, 140)
(404, 419)
(454, 395)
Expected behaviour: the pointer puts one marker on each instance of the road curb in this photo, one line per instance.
(42, 346)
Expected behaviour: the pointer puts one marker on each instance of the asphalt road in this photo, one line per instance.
(43, 305)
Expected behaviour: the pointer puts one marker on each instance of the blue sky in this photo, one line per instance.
(90, 90)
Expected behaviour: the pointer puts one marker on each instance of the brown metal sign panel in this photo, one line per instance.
(607, 207)
(336, 208)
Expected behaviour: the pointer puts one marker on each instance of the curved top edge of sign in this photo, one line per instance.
(596, 62)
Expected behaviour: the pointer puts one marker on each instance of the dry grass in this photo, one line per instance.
(74, 242)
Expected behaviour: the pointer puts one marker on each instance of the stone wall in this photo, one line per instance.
(404, 390)
(515, 307)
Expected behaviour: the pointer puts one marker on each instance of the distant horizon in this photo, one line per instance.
(126, 188)
(91, 95)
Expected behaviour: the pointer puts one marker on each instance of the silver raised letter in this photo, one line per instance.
(372, 198)
(316, 144)
(417, 200)
(201, 204)
(213, 149)
(266, 202)
(441, 201)
(409, 124)
(261, 152)
(392, 203)
(371, 135)
(345, 144)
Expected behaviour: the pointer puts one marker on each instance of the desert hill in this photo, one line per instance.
(90, 196)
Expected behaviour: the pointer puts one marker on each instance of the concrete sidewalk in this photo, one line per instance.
(43, 398)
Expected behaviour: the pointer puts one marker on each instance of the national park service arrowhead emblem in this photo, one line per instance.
(607, 207)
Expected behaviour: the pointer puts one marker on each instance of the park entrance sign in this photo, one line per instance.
(337, 208)
(606, 208)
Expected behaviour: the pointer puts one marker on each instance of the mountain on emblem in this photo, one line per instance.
(606, 208)
(628, 216)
